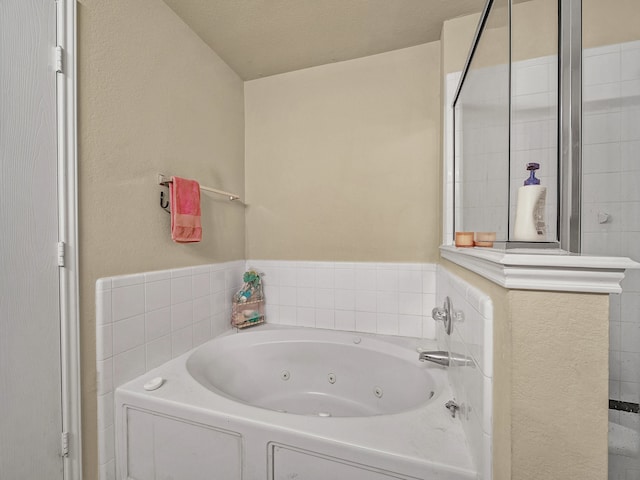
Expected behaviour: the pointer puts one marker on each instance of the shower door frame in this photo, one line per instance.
(570, 124)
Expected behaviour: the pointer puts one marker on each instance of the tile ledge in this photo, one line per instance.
(554, 270)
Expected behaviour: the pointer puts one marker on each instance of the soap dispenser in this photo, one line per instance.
(530, 211)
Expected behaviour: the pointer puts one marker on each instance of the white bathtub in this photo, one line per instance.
(284, 403)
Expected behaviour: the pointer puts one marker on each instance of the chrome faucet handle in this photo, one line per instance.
(438, 314)
(445, 314)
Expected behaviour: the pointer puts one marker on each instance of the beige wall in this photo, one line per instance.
(152, 98)
(613, 21)
(560, 371)
(550, 398)
(534, 29)
(456, 38)
(534, 35)
(342, 160)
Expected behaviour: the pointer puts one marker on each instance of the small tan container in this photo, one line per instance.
(485, 239)
(464, 239)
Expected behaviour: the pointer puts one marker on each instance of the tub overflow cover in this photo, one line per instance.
(153, 384)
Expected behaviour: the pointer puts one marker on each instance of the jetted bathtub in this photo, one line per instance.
(292, 403)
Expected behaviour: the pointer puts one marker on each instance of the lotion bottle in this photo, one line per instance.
(530, 210)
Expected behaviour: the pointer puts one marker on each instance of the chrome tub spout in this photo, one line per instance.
(445, 359)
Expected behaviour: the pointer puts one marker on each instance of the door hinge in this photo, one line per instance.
(59, 59)
(64, 444)
(61, 252)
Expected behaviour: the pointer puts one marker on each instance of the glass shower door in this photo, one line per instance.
(481, 117)
(506, 119)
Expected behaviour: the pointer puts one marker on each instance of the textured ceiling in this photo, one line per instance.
(258, 38)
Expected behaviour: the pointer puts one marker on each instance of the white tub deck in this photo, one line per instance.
(188, 431)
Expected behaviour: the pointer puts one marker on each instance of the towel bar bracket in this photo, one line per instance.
(164, 204)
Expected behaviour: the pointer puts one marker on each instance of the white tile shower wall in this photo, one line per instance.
(144, 320)
(534, 131)
(384, 298)
(611, 213)
(472, 336)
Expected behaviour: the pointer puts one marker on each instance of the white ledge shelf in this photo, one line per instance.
(549, 270)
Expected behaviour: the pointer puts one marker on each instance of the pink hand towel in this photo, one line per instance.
(185, 210)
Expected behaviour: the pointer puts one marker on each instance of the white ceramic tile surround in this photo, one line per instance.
(534, 132)
(383, 298)
(146, 319)
(472, 336)
(611, 214)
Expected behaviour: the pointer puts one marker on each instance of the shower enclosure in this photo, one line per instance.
(557, 82)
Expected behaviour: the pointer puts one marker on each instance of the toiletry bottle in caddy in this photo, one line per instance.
(530, 210)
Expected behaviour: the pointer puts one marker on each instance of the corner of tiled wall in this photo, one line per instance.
(144, 320)
(472, 337)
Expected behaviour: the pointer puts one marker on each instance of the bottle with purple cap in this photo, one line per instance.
(530, 223)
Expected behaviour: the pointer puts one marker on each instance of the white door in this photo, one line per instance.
(30, 372)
